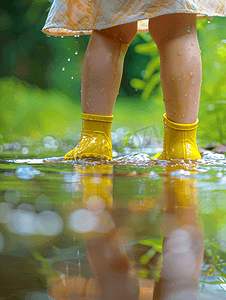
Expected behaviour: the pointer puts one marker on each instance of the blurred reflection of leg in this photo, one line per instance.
(105, 248)
(183, 241)
(110, 264)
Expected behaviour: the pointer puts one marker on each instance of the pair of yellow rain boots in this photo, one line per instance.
(179, 139)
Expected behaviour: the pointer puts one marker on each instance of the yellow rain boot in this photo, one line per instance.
(179, 141)
(95, 138)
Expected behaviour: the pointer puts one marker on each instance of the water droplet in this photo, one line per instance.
(192, 44)
(190, 90)
(191, 74)
(208, 21)
(76, 52)
(68, 59)
(62, 37)
(193, 56)
(92, 109)
(193, 83)
(72, 77)
(185, 95)
(179, 79)
(172, 78)
(69, 48)
(87, 84)
(195, 66)
(179, 53)
(63, 68)
(189, 29)
(183, 116)
(87, 104)
(25, 150)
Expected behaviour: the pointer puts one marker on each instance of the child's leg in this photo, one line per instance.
(102, 68)
(176, 38)
(101, 76)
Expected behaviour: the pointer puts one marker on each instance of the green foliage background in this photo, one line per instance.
(40, 87)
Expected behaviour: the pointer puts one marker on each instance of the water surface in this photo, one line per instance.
(94, 230)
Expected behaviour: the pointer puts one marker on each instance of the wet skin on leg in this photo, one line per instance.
(176, 38)
(103, 66)
(102, 72)
(181, 69)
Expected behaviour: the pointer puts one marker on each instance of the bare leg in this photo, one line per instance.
(102, 68)
(101, 76)
(176, 38)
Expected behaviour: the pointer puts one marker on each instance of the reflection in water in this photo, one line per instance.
(183, 240)
(118, 272)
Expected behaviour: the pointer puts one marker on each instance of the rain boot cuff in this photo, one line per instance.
(97, 118)
(178, 126)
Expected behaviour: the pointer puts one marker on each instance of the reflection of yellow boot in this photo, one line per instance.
(180, 190)
(97, 185)
(179, 141)
(183, 239)
(95, 138)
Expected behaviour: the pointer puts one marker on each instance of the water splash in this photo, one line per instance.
(26, 172)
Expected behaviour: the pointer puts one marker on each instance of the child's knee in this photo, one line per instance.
(170, 26)
(125, 32)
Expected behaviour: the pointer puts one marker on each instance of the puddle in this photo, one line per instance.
(115, 230)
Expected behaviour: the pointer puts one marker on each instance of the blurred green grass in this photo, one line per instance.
(27, 110)
(39, 99)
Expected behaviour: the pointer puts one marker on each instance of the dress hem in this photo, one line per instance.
(142, 26)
